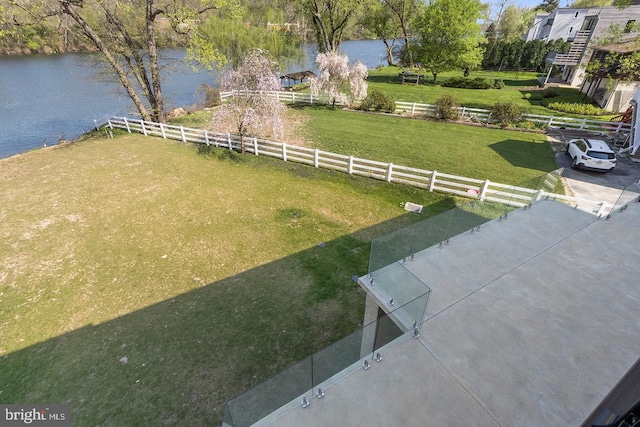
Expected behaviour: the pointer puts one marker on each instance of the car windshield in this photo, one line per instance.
(601, 155)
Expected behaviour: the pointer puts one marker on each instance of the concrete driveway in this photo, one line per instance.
(596, 186)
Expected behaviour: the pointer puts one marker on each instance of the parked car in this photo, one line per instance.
(592, 154)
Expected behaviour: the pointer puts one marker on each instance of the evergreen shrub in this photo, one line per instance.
(377, 100)
(506, 113)
(447, 108)
(463, 83)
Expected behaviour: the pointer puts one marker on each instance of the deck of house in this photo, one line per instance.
(531, 321)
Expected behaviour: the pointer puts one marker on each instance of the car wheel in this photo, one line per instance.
(574, 164)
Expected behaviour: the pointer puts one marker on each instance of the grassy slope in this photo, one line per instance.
(203, 270)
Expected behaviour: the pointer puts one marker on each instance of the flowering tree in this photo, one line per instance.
(252, 111)
(341, 83)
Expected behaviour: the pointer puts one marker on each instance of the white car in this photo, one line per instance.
(591, 154)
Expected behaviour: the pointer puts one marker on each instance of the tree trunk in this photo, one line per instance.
(435, 76)
(102, 47)
(407, 46)
(389, 51)
(157, 102)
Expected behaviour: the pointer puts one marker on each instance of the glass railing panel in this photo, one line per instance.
(430, 232)
(260, 401)
(270, 399)
(630, 194)
(416, 309)
(338, 356)
(395, 286)
(552, 182)
(467, 217)
(512, 202)
(392, 247)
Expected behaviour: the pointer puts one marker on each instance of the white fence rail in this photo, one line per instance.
(429, 180)
(474, 114)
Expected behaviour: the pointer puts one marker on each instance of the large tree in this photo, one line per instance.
(129, 33)
(404, 11)
(449, 35)
(511, 25)
(124, 41)
(330, 19)
(379, 19)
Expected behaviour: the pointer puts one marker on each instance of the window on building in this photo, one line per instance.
(570, 30)
(576, 15)
(631, 25)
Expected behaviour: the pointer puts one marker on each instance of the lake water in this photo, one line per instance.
(48, 97)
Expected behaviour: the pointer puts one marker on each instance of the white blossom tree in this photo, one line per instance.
(252, 112)
(342, 83)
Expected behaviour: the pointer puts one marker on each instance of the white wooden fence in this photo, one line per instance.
(484, 116)
(510, 195)
(473, 114)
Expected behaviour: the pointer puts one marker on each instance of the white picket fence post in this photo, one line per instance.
(184, 138)
(255, 146)
(284, 152)
(389, 172)
(126, 123)
(350, 168)
(315, 158)
(483, 192)
(162, 131)
(432, 182)
(206, 137)
(144, 131)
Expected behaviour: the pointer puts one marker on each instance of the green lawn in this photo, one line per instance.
(517, 84)
(507, 157)
(146, 282)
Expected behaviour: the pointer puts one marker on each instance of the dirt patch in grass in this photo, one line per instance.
(294, 121)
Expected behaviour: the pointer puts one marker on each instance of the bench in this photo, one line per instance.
(410, 78)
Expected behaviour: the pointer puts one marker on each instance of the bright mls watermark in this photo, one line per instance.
(35, 415)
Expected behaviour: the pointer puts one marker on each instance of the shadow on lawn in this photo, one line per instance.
(525, 154)
(176, 362)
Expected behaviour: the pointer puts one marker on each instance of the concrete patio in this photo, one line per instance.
(531, 322)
